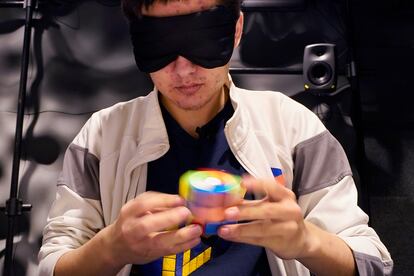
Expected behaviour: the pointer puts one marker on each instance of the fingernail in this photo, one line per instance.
(232, 212)
(184, 211)
(180, 200)
(195, 229)
(224, 231)
(247, 181)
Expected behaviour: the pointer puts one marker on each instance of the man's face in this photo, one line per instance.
(183, 84)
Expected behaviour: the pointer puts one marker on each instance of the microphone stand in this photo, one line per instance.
(14, 205)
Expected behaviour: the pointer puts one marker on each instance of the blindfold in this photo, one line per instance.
(206, 38)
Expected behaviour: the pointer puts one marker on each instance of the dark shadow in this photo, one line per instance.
(10, 26)
(64, 7)
(43, 149)
(79, 83)
(11, 60)
(19, 267)
(385, 57)
(388, 150)
(277, 39)
(22, 228)
(3, 228)
(394, 223)
(84, 82)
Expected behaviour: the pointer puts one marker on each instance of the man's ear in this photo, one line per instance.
(239, 30)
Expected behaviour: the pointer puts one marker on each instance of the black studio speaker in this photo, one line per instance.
(319, 72)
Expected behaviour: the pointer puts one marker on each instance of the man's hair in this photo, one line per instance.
(132, 8)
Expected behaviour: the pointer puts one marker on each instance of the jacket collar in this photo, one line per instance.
(237, 125)
(152, 138)
(155, 133)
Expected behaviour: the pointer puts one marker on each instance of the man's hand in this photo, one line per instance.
(147, 228)
(276, 222)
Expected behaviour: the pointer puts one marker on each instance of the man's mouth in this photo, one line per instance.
(189, 88)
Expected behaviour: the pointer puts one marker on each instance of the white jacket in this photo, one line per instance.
(106, 165)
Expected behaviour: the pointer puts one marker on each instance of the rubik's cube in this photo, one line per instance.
(208, 193)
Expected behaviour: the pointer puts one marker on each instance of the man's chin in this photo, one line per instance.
(190, 107)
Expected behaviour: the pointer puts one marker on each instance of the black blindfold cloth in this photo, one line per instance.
(206, 38)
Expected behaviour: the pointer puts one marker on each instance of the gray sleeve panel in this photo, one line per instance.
(319, 162)
(368, 265)
(81, 172)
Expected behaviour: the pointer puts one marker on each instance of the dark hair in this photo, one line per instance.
(132, 8)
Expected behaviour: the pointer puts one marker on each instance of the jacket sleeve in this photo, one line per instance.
(76, 214)
(334, 209)
(327, 195)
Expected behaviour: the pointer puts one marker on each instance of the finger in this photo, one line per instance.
(157, 222)
(234, 232)
(273, 190)
(180, 237)
(279, 211)
(152, 202)
(252, 202)
(178, 248)
(182, 247)
(183, 234)
(258, 232)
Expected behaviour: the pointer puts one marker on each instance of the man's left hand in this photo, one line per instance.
(275, 222)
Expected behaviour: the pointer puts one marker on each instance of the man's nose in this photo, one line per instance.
(184, 67)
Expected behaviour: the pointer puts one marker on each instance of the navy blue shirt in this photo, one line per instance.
(213, 256)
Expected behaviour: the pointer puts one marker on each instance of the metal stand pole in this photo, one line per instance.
(14, 205)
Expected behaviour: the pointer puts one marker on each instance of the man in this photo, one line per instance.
(118, 191)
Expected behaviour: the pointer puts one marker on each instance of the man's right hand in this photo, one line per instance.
(139, 234)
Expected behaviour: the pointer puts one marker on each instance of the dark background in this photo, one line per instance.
(81, 61)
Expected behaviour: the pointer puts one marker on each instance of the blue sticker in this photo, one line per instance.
(276, 172)
(211, 228)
